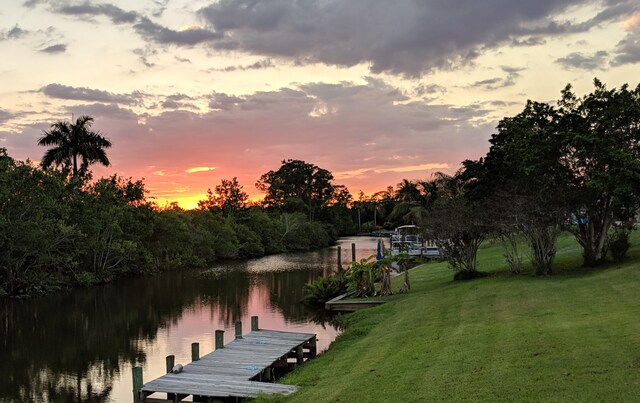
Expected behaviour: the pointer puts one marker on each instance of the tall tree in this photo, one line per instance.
(72, 142)
(524, 180)
(228, 197)
(297, 179)
(603, 156)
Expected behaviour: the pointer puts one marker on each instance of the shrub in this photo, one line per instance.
(619, 243)
(325, 289)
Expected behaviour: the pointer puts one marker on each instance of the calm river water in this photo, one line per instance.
(80, 346)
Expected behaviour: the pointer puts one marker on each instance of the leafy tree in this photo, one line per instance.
(228, 197)
(297, 179)
(73, 141)
(515, 179)
(36, 240)
(457, 224)
(602, 132)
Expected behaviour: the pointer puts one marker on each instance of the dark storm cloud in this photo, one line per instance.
(406, 37)
(581, 61)
(61, 91)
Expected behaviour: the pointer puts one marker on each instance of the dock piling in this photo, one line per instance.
(254, 324)
(195, 351)
(299, 355)
(136, 373)
(170, 362)
(238, 329)
(219, 339)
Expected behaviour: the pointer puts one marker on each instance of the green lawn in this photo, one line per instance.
(572, 336)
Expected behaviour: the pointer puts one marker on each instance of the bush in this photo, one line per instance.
(325, 289)
(619, 243)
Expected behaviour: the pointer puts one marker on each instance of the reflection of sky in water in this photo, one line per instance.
(268, 291)
(68, 346)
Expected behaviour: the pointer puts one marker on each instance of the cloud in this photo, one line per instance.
(61, 91)
(627, 51)
(182, 59)
(425, 89)
(500, 82)
(5, 116)
(146, 28)
(114, 13)
(160, 34)
(259, 65)
(58, 48)
(199, 169)
(581, 61)
(370, 129)
(397, 169)
(407, 38)
(15, 32)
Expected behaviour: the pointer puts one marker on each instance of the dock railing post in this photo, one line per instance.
(170, 361)
(339, 257)
(219, 339)
(254, 324)
(137, 383)
(238, 329)
(353, 252)
(195, 351)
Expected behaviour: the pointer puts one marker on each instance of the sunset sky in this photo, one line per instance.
(194, 91)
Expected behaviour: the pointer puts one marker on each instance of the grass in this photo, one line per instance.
(572, 336)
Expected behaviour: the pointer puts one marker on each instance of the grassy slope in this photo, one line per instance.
(573, 336)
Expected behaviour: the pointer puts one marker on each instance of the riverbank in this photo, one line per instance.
(572, 336)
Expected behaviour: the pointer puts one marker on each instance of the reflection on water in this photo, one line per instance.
(81, 345)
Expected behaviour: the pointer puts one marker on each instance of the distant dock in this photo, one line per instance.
(240, 369)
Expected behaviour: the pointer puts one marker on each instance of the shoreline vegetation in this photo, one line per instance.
(61, 228)
(504, 337)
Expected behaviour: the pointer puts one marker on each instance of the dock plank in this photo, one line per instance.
(227, 372)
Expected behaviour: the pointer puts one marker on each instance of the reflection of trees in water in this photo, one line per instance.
(286, 292)
(71, 346)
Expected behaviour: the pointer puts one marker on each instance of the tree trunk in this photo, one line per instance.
(543, 247)
(592, 235)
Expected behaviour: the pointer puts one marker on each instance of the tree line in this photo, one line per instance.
(571, 166)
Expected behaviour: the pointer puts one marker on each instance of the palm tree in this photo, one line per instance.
(73, 141)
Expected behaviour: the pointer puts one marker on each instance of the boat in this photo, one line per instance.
(408, 239)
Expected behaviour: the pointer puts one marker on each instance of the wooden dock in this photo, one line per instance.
(339, 305)
(240, 369)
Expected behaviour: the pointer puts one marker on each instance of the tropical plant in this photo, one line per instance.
(75, 146)
(324, 289)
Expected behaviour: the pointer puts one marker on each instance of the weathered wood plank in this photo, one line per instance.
(226, 372)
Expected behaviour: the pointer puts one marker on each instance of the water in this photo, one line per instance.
(81, 345)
